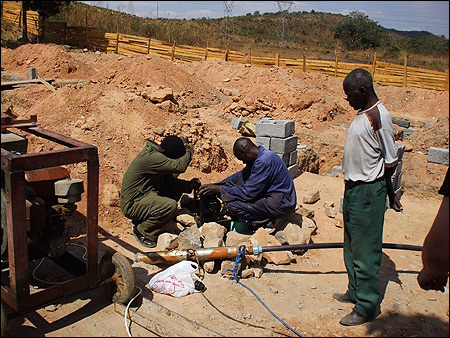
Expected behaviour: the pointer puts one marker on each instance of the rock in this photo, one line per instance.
(209, 266)
(262, 238)
(167, 241)
(111, 195)
(190, 239)
(311, 196)
(186, 220)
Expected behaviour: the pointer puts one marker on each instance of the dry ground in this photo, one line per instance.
(110, 111)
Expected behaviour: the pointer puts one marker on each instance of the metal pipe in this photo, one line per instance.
(208, 254)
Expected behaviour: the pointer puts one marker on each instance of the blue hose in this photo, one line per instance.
(235, 274)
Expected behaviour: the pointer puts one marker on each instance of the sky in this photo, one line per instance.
(431, 16)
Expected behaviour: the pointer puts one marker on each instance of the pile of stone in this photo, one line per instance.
(297, 229)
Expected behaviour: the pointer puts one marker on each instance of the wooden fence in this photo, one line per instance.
(385, 73)
(12, 12)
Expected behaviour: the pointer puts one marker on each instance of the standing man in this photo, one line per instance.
(369, 162)
(151, 189)
(263, 193)
(435, 255)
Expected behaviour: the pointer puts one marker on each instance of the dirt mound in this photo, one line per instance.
(112, 108)
(50, 61)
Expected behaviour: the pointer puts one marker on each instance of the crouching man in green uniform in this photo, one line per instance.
(151, 189)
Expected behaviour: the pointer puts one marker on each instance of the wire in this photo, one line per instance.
(42, 260)
(236, 265)
(127, 327)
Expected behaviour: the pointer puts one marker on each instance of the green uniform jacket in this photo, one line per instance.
(148, 171)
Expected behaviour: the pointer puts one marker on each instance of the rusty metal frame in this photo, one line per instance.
(17, 295)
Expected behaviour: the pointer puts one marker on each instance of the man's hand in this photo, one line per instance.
(209, 189)
(432, 281)
(194, 184)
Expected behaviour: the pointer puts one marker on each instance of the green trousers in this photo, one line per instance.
(153, 211)
(364, 208)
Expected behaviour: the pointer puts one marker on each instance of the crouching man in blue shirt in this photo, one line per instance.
(263, 193)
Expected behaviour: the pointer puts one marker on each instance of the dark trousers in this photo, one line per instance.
(364, 208)
(154, 211)
(263, 212)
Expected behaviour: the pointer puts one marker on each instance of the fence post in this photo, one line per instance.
(117, 43)
(336, 65)
(206, 53)
(405, 71)
(277, 59)
(148, 45)
(87, 37)
(226, 55)
(304, 62)
(446, 81)
(65, 33)
(173, 51)
(374, 65)
(249, 58)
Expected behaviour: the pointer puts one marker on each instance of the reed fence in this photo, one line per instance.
(382, 72)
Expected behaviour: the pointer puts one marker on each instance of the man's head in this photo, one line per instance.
(173, 147)
(358, 86)
(245, 150)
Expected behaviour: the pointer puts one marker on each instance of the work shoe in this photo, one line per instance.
(343, 298)
(142, 239)
(353, 319)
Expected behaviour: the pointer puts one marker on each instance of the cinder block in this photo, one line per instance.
(400, 148)
(237, 123)
(263, 141)
(275, 128)
(401, 123)
(285, 159)
(283, 145)
(336, 170)
(293, 157)
(14, 142)
(293, 170)
(438, 155)
(407, 132)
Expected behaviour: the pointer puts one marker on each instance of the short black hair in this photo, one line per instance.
(358, 78)
(173, 147)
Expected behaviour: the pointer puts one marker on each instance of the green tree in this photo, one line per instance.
(45, 9)
(360, 32)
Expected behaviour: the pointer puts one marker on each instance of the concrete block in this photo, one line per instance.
(401, 123)
(293, 170)
(275, 128)
(438, 155)
(283, 145)
(32, 73)
(14, 142)
(263, 141)
(400, 148)
(293, 157)
(336, 170)
(407, 132)
(237, 123)
(285, 159)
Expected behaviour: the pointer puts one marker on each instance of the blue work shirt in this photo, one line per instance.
(267, 175)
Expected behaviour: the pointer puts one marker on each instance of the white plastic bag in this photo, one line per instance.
(177, 280)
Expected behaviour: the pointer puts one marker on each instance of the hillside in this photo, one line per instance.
(311, 33)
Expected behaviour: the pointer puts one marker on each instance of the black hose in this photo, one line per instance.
(334, 246)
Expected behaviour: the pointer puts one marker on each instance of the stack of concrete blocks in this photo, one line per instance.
(278, 136)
